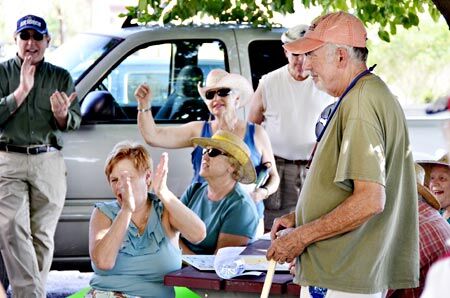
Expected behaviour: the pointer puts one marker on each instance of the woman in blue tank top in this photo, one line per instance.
(224, 93)
(134, 240)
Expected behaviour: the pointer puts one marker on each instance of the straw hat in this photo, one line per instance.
(219, 78)
(234, 146)
(429, 164)
(423, 190)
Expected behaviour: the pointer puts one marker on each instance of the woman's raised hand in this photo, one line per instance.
(143, 95)
(160, 177)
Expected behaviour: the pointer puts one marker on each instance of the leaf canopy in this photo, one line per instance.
(388, 14)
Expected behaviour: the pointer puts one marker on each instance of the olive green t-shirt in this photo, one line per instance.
(367, 139)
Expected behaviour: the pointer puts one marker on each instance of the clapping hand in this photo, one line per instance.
(27, 74)
(160, 177)
(60, 103)
(27, 71)
(126, 195)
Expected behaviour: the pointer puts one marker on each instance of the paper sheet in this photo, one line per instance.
(252, 262)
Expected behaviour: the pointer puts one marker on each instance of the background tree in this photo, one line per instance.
(416, 63)
(387, 14)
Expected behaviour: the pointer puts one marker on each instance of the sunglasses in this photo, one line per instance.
(323, 119)
(213, 152)
(25, 35)
(222, 92)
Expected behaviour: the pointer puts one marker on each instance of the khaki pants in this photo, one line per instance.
(284, 200)
(32, 194)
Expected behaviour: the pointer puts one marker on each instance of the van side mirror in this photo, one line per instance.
(101, 106)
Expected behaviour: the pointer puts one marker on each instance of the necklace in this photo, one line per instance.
(142, 224)
(225, 125)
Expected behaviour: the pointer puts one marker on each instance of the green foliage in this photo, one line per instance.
(416, 68)
(416, 63)
(388, 14)
(239, 11)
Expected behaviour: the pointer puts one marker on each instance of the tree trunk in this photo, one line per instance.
(444, 7)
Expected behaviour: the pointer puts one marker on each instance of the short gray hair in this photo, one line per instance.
(355, 53)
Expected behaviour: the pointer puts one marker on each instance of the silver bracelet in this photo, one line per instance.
(144, 110)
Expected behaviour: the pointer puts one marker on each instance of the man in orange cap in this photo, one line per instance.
(287, 98)
(355, 228)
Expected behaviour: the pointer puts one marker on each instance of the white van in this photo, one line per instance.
(107, 69)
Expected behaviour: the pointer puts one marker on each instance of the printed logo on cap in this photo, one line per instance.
(30, 21)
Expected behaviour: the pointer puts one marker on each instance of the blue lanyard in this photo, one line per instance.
(349, 87)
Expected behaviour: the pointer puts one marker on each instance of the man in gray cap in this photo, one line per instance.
(37, 103)
(288, 104)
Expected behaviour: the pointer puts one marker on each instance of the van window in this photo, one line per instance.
(173, 71)
(150, 65)
(82, 52)
(265, 56)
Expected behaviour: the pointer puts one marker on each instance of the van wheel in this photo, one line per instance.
(3, 276)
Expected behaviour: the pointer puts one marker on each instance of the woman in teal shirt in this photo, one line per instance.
(133, 241)
(224, 206)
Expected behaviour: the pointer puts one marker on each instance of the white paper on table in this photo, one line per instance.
(201, 262)
(265, 236)
(252, 262)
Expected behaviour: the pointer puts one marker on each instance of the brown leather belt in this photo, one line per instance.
(299, 162)
(30, 150)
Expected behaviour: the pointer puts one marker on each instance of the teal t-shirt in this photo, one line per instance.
(234, 214)
(143, 259)
(366, 140)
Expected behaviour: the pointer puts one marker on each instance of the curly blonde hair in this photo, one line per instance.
(238, 172)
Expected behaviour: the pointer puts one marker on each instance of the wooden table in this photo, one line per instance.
(207, 282)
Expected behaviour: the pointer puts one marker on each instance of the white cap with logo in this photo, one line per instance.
(294, 33)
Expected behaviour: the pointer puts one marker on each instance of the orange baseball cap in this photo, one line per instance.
(337, 27)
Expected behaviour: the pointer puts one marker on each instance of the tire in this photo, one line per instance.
(3, 276)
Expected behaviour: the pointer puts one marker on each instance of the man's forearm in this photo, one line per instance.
(352, 213)
(61, 121)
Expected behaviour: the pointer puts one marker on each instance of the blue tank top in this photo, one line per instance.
(255, 156)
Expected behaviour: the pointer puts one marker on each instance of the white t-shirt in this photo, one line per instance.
(291, 111)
